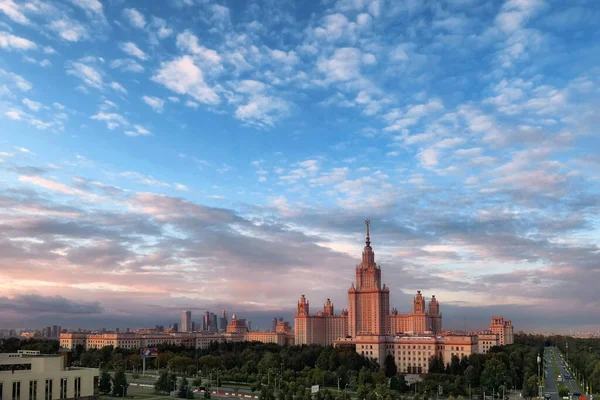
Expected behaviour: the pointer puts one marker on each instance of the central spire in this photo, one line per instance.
(368, 257)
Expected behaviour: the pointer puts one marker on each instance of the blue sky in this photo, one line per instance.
(156, 156)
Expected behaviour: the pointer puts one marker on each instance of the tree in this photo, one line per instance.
(494, 374)
(183, 388)
(119, 384)
(104, 385)
(207, 392)
(197, 382)
(166, 382)
(390, 366)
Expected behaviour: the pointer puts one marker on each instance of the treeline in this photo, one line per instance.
(584, 354)
(281, 372)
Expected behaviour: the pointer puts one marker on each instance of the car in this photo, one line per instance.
(576, 394)
(547, 396)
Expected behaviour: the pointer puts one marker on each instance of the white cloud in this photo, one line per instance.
(12, 10)
(188, 42)
(344, 64)
(127, 64)
(49, 50)
(154, 102)
(68, 29)
(192, 104)
(9, 41)
(94, 7)
(450, 142)
(14, 114)
(261, 108)
(162, 31)
(20, 82)
(113, 120)
(134, 17)
(24, 150)
(138, 130)
(32, 105)
(117, 86)
(182, 188)
(428, 157)
(184, 77)
(131, 49)
(88, 74)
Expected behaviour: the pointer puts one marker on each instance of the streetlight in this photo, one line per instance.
(345, 386)
(539, 360)
(339, 379)
(123, 386)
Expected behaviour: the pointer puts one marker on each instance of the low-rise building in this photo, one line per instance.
(28, 375)
(487, 340)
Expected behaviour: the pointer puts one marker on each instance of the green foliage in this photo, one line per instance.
(207, 392)
(183, 388)
(119, 388)
(494, 374)
(197, 381)
(104, 384)
(562, 390)
(166, 382)
(390, 366)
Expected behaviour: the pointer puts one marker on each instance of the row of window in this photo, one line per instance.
(33, 389)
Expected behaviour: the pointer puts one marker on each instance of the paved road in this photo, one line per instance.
(552, 355)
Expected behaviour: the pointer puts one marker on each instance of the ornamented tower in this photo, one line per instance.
(328, 308)
(435, 317)
(368, 301)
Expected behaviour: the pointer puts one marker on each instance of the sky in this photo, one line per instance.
(157, 156)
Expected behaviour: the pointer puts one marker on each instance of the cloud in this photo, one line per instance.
(87, 73)
(13, 11)
(117, 87)
(37, 305)
(428, 157)
(138, 131)
(69, 30)
(10, 42)
(113, 120)
(154, 102)
(343, 65)
(134, 17)
(92, 7)
(127, 65)
(32, 105)
(188, 42)
(16, 80)
(131, 49)
(183, 76)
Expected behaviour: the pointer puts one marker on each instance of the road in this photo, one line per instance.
(553, 356)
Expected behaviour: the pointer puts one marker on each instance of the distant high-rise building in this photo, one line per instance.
(214, 323)
(186, 321)
(206, 321)
(249, 326)
(175, 327)
(273, 324)
(117, 330)
(127, 330)
(224, 315)
(193, 326)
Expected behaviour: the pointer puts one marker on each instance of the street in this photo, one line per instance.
(553, 357)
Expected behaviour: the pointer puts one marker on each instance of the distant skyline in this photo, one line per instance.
(191, 154)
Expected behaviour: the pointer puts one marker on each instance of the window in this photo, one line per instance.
(63, 388)
(77, 386)
(32, 390)
(16, 392)
(48, 391)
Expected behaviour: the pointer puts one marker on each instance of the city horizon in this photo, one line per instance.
(179, 155)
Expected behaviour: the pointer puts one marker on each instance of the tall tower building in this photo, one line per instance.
(273, 324)
(435, 316)
(328, 308)
(186, 321)
(368, 300)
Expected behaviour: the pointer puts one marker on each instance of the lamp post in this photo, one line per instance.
(539, 360)
(123, 387)
(345, 386)
(339, 379)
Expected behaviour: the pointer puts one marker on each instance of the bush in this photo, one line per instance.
(135, 375)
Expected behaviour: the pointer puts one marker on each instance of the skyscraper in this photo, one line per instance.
(273, 324)
(186, 321)
(368, 301)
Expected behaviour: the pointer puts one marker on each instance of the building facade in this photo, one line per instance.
(504, 329)
(368, 310)
(28, 375)
(186, 321)
(487, 340)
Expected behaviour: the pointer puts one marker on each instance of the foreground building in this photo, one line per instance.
(29, 375)
(504, 329)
